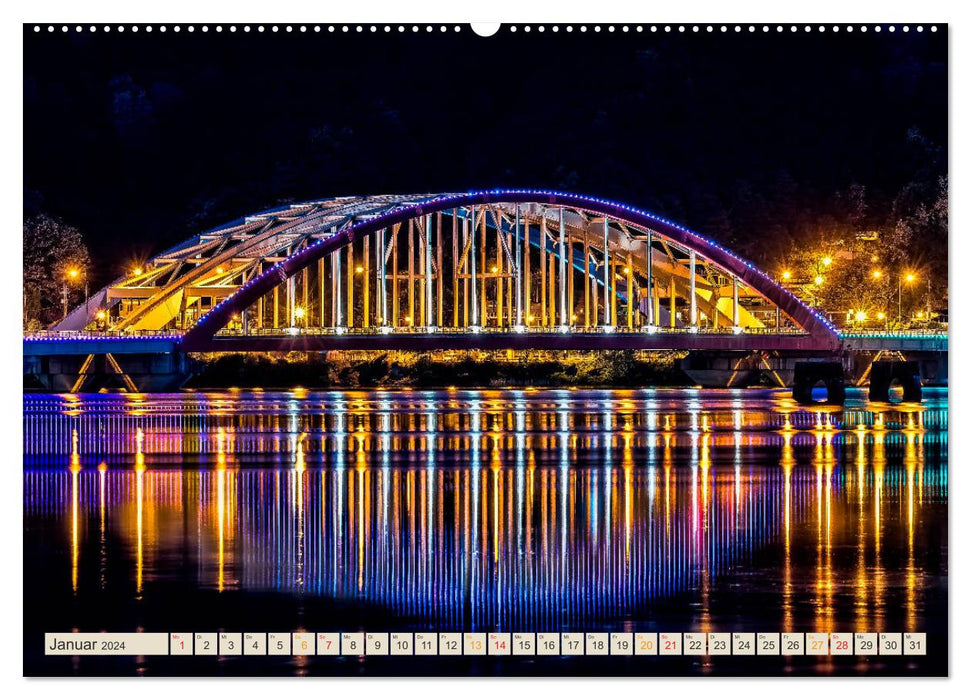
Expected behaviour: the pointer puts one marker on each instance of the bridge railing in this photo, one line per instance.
(171, 334)
(98, 335)
(486, 330)
(920, 333)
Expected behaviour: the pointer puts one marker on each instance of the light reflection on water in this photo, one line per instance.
(504, 509)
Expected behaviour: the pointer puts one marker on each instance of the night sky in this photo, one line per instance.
(140, 140)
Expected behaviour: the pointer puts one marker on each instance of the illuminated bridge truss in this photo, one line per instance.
(500, 261)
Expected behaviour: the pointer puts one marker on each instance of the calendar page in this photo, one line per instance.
(531, 349)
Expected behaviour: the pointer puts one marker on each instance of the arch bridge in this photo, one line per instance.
(485, 269)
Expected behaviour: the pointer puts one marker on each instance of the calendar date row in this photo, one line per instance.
(372, 644)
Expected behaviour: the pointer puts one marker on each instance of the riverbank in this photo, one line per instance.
(621, 368)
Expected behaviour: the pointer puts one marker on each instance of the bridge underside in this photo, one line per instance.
(710, 360)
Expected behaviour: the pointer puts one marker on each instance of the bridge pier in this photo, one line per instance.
(809, 374)
(931, 366)
(884, 373)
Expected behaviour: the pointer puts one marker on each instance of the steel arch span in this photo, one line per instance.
(462, 267)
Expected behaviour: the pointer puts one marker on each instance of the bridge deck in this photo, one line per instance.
(68, 344)
(447, 339)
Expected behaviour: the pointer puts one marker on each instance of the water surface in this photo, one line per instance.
(570, 510)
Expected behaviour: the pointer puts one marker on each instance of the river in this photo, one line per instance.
(494, 510)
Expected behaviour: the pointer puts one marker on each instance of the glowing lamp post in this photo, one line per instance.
(902, 278)
(908, 278)
(817, 283)
(72, 276)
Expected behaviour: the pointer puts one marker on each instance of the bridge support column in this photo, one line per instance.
(608, 320)
(455, 270)
(440, 277)
(809, 374)
(692, 268)
(335, 294)
(350, 285)
(564, 311)
(276, 306)
(429, 302)
(570, 283)
(366, 283)
(527, 271)
(291, 305)
(498, 270)
(395, 303)
(471, 263)
(411, 273)
(483, 316)
(651, 315)
(551, 288)
(382, 280)
(321, 308)
(735, 327)
(672, 313)
(586, 281)
(884, 372)
(519, 272)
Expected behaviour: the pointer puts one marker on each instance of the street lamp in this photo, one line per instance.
(817, 282)
(908, 277)
(72, 275)
(902, 277)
